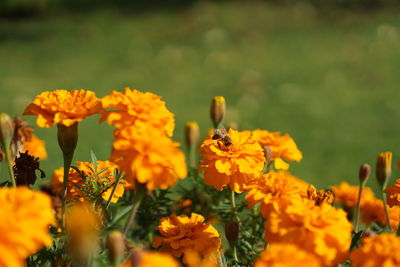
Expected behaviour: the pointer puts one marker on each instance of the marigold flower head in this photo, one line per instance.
(150, 259)
(36, 147)
(393, 194)
(233, 165)
(63, 107)
(134, 108)
(285, 254)
(347, 194)
(180, 234)
(379, 250)
(25, 219)
(148, 157)
(76, 183)
(320, 230)
(283, 147)
(273, 190)
(373, 211)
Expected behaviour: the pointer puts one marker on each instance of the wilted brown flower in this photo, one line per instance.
(25, 169)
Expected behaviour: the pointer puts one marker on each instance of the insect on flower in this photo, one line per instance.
(222, 137)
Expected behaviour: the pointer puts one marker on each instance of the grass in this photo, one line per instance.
(331, 82)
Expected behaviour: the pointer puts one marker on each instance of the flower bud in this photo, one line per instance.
(365, 171)
(67, 137)
(383, 168)
(116, 246)
(267, 154)
(232, 232)
(192, 133)
(6, 130)
(218, 109)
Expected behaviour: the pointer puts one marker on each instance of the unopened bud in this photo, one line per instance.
(67, 137)
(116, 246)
(383, 168)
(232, 232)
(365, 171)
(192, 133)
(6, 130)
(267, 154)
(218, 109)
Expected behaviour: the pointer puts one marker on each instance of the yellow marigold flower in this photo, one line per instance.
(373, 211)
(285, 254)
(379, 250)
(75, 181)
(347, 194)
(282, 146)
(36, 147)
(150, 259)
(148, 157)
(233, 165)
(320, 230)
(134, 108)
(393, 194)
(272, 190)
(24, 225)
(180, 234)
(63, 107)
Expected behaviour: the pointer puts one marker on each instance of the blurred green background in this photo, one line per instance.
(328, 76)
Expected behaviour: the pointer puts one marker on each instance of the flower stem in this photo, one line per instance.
(136, 203)
(113, 190)
(237, 218)
(357, 222)
(7, 154)
(192, 157)
(383, 196)
(67, 165)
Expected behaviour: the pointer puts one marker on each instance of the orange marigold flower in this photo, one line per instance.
(63, 107)
(393, 194)
(373, 211)
(76, 183)
(235, 165)
(148, 157)
(134, 108)
(347, 194)
(272, 190)
(180, 234)
(320, 230)
(379, 250)
(282, 146)
(285, 254)
(25, 219)
(36, 147)
(150, 259)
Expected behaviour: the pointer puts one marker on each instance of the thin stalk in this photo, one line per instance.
(358, 207)
(113, 190)
(67, 165)
(7, 154)
(383, 196)
(234, 210)
(192, 156)
(136, 203)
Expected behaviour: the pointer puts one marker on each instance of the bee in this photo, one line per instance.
(222, 136)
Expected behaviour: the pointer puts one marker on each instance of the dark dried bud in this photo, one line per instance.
(232, 232)
(365, 171)
(116, 246)
(25, 169)
(192, 133)
(217, 111)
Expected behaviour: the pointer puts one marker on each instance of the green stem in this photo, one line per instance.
(117, 179)
(136, 203)
(358, 207)
(7, 154)
(237, 218)
(67, 165)
(192, 156)
(383, 196)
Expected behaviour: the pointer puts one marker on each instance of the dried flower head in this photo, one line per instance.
(235, 164)
(286, 254)
(379, 250)
(148, 157)
(180, 234)
(320, 230)
(393, 194)
(25, 168)
(347, 194)
(25, 219)
(134, 108)
(283, 147)
(63, 107)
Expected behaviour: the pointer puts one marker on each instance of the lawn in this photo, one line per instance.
(331, 82)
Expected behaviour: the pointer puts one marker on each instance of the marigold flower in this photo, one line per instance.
(373, 211)
(63, 107)
(180, 234)
(283, 147)
(233, 165)
(25, 219)
(36, 147)
(379, 250)
(272, 190)
(150, 259)
(320, 230)
(148, 157)
(285, 254)
(347, 194)
(393, 194)
(76, 182)
(134, 108)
